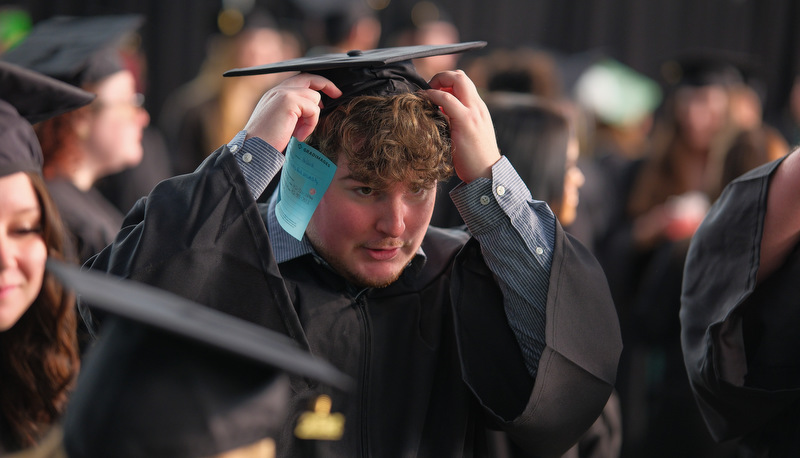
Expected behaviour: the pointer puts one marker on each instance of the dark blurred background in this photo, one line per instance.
(642, 34)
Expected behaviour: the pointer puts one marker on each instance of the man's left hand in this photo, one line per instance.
(472, 132)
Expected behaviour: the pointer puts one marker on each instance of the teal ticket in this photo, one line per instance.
(305, 177)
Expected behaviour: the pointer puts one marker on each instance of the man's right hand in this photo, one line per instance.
(290, 109)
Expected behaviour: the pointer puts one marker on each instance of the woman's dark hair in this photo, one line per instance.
(39, 355)
(534, 137)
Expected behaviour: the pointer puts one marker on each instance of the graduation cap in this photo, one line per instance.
(169, 377)
(617, 94)
(383, 71)
(28, 97)
(704, 67)
(77, 50)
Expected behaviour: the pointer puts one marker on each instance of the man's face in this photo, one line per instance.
(369, 235)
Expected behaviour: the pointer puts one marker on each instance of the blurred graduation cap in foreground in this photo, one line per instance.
(28, 97)
(169, 377)
(76, 50)
(383, 71)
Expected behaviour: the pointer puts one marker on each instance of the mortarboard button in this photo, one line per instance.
(320, 423)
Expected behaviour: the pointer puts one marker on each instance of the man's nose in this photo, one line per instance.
(392, 218)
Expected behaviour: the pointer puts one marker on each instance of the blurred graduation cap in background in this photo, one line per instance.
(28, 97)
(708, 66)
(76, 50)
(169, 377)
(697, 67)
(615, 93)
(383, 71)
(574, 65)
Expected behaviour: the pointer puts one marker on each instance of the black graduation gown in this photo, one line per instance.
(435, 362)
(740, 342)
(92, 221)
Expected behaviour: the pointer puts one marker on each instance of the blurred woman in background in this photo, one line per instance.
(105, 137)
(542, 146)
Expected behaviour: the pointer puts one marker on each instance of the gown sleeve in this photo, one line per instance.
(577, 368)
(739, 339)
(201, 236)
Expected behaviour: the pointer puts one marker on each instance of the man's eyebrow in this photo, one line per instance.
(366, 182)
(351, 177)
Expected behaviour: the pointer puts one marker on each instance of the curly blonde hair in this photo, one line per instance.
(400, 138)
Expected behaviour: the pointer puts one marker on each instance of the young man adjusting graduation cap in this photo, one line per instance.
(449, 333)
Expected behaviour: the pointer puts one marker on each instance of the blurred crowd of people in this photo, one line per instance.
(654, 155)
(629, 164)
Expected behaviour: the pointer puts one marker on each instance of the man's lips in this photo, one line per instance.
(383, 254)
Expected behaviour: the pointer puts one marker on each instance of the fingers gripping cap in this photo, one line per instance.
(383, 71)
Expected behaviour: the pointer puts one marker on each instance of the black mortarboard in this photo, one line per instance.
(77, 50)
(27, 97)
(383, 71)
(169, 377)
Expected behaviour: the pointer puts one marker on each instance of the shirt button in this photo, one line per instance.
(484, 200)
(234, 148)
(247, 157)
(539, 250)
(501, 190)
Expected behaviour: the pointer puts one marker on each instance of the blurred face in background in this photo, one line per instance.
(573, 181)
(436, 33)
(23, 251)
(259, 46)
(701, 112)
(112, 133)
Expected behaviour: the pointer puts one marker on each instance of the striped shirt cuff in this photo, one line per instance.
(258, 160)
